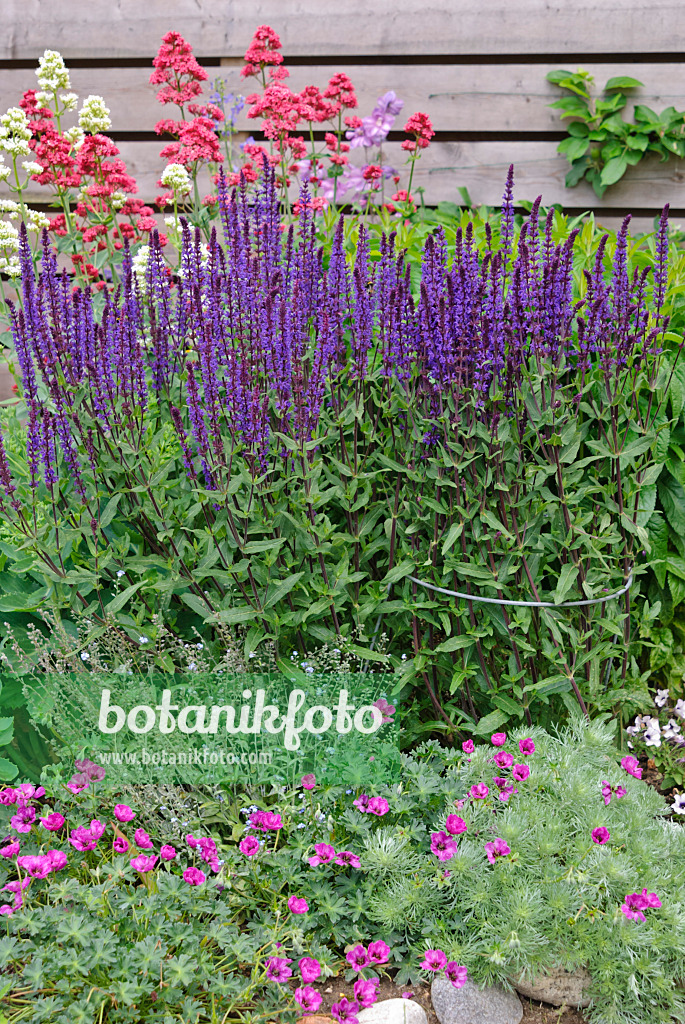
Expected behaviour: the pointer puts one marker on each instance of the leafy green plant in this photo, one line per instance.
(602, 145)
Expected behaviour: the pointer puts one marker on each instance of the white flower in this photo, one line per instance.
(199, 646)
(120, 573)
(117, 199)
(671, 730)
(679, 708)
(31, 167)
(176, 178)
(94, 116)
(661, 698)
(15, 133)
(4, 172)
(170, 221)
(43, 98)
(9, 207)
(9, 238)
(85, 656)
(143, 640)
(75, 136)
(52, 72)
(10, 266)
(678, 804)
(37, 220)
(191, 666)
(652, 735)
(139, 264)
(69, 100)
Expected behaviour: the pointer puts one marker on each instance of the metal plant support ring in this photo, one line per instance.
(525, 604)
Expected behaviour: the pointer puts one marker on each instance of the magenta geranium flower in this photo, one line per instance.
(455, 825)
(308, 999)
(27, 791)
(122, 812)
(498, 848)
(361, 803)
(527, 747)
(297, 905)
(503, 759)
(193, 876)
(37, 865)
(11, 849)
(347, 859)
(8, 796)
(23, 819)
(345, 1011)
(479, 791)
(358, 958)
(323, 854)
(78, 783)
(57, 858)
(387, 710)
(520, 772)
(249, 846)
(378, 805)
(277, 969)
(120, 845)
(379, 952)
(310, 969)
(53, 822)
(308, 781)
(600, 835)
(632, 766)
(455, 973)
(635, 903)
(433, 960)
(498, 739)
(467, 746)
(167, 852)
(142, 839)
(144, 863)
(84, 838)
(266, 821)
(443, 845)
(366, 991)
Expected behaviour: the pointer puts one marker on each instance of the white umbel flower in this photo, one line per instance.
(94, 116)
(176, 178)
(69, 100)
(75, 136)
(15, 133)
(52, 72)
(32, 167)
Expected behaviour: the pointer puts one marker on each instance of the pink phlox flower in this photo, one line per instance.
(456, 974)
(323, 854)
(144, 863)
(479, 791)
(348, 859)
(308, 999)
(433, 960)
(497, 848)
(443, 846)
(277, 969)
(455, 825)
(310, 969)
(358, 958)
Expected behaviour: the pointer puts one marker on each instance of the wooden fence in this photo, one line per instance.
(477, 67)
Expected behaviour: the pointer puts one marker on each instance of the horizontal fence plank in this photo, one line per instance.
(457, 97)
(481, 167)
(128, 28)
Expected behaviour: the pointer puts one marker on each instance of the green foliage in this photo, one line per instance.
(601, 144)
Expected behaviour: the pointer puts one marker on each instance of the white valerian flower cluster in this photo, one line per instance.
(94, 116)
(117, 199)
(75, 136)
(15, 133)
(176, 178)
(9, 248)
(5, 171)
(69, 100)
(52, 72)
(32, 167)
(10, 208)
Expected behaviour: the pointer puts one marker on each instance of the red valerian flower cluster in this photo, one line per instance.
(419, 125)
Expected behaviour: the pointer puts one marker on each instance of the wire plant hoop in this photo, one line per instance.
(526, 604)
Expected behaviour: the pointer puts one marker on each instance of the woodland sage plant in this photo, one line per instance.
(299, 447)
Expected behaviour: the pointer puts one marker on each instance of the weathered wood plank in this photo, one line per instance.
(94, 28)
(466, 97)
(482, 168)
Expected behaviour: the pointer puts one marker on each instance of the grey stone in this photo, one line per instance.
(393, 1011)
(558, 987)
(472, 1005)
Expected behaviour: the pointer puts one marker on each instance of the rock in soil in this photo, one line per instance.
(393, 1011)
(558, 987)
(471, 1005)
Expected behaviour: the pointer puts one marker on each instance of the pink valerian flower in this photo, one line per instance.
(479, 791)
(323, 854)
(600, 835)
(348, 859)
(310, 969)
(262, 51)
(144, 864)
(174, 62)
(11, 849)
(122, 812)
(249, 846)
(503, 759)
(277, 969)
(193, 876)
(456, 974)
(358, 958)
(498, 739)
(120, 845)
(379, 952)
(527, 747)
(53, 822)
(433, 960)
(498, 848)
(142, 839)
(345, 1011)
(167, 852)
(366, 992)
(308, 999)
(635, 903)
(455, 825)
(23, 819)
(632, 766)
(467, 746)
(419, 125)
(520, 772)
(297, 905)
(443, 846)
(308, 781)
